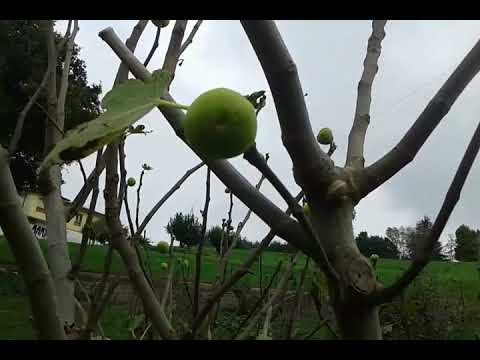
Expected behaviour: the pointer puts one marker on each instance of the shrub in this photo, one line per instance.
(163, 247)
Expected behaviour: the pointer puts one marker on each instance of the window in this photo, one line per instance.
(78, 219)
(40, 210)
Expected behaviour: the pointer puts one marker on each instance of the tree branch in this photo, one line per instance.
(118, 239)
(285, 227)
(406, 150)
(256, 159)
(237, 275)
(198, 257)
(356, 139)
(312, 168)
(139, 188)
(425, 250)
(190, 37)
(154, 47)
(165, 197)
(173, 51)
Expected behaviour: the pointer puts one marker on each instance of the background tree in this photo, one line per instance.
(184, 228)
(467, 243)
(23, 63)
(383, 247)
(416, 238)
(216, 234)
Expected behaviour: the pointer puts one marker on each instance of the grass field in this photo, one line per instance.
(14, 307)
(450, 274)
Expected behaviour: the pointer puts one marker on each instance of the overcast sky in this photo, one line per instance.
(417, 57)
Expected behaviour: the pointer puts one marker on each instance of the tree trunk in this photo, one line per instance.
(58, 257)
(355, 317)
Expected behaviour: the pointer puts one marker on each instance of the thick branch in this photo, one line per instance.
(285, 227)
(356, 139)
(406, 150)
(131, 44)
(312, 167)
(451, 199)
(256, 159)
(29, 257)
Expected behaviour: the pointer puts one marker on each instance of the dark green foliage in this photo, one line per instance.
(23, 61)
(162, 247)
(467, 244)
(417, 239)
(278, 246)
(186, 229)
(383, 247)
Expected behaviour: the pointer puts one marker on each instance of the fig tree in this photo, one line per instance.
(220, 124)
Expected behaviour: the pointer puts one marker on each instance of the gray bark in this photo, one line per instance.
(29, 257)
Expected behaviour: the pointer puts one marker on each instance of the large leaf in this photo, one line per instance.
(124, 104)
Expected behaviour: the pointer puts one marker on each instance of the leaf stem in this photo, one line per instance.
(170, 104)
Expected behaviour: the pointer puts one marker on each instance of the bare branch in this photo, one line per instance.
(406, 150)
(256, 159)
(244, 268)
(84, 192)
(297, 300)
(278, 294)
(198, 257)
(131, 44)
(356, 139)
(88, 223)
(23, 114)
(62, 93)
(313, 169)
(165, 197)
(154, 47)
(453, 195)
(82, 170)
(190, 37)
(173, 51)
(28, 256)
(285, 227)
(135, 270)
(139, 188)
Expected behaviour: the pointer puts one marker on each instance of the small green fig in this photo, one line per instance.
(131, 181)
(325, 136)
(164, 266)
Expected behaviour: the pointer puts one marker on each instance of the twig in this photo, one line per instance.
(173, 51)
(319, 326)
(88, 222)
(356, 139)
(139, 188)
(237, 275)
(157, 206)
(451, 199)
(123, 174)
(257, 160)
(198, 257)
(263, 295)
(297, 301)
(154, 47)
(278, 294)
(190, 37)
(84, 175)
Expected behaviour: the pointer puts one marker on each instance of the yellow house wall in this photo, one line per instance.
(33, 202)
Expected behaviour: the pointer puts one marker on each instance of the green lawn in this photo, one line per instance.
(452, 275)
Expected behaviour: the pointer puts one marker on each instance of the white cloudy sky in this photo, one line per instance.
(416, 59)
